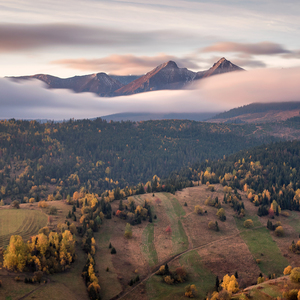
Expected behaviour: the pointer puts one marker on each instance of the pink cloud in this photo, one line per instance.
(123, 64)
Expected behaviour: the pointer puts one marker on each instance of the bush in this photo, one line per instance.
(198, 210)
(15, 204)
(53, 210)
(287, 270)
(128, 231)
(221, 214)
(113, 250)
(260, 280)
(213, 225)
(295, 275)
(190, 291)
(211, 188)
(43, 204)
(291, 295)
(168, 279)
(248, 223)
(279, 231)
(285, 214)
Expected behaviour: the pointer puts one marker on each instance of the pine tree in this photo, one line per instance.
(217, 226)
(217, 286)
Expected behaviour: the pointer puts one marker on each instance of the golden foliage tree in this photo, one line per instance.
(230, 284)
(190, 291)
(16, 255)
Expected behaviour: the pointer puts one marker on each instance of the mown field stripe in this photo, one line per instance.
(179, 238)
(147, 246)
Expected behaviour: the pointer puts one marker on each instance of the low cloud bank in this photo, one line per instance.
(30, 100)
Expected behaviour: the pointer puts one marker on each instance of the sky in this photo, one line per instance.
(69, 37)
(74, 37)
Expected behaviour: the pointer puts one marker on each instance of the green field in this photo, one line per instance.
(294, 221)
(262, 246)
(174, 212)
(21, 222)
(147, 246)
(109, 283)
(197, 274)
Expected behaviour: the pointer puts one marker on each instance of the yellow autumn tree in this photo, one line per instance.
(16, 255)
(230, 284)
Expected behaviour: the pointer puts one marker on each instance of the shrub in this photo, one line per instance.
(211, 188)
(128, 231)
(295, 275)
(53, 210)
(212, 225)
(248, 223)
(279, 231)
(161, 270)
(285, 214)
(113, 250)
(291, 295)
(190, 291)
(198, 210)
(221, 214)
(180, 274)
(210, 202)
(168, 279)
(287, 270)
(43, 204)
(260, 280)
(15, 204)
(168, 229)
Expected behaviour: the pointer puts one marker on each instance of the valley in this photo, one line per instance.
(190, 244)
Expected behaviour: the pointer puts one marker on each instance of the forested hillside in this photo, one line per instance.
(266, 173)
(59, 158)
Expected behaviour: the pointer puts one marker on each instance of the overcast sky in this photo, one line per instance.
(69, 37)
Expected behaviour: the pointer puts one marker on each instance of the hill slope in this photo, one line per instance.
(259, 112)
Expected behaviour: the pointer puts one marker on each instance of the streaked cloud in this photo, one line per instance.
(263, 48)
(20, 37)
(124, 64)
(222, 92)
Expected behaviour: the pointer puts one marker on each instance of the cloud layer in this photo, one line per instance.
(222, 92)
(263, 48)
(20, 37)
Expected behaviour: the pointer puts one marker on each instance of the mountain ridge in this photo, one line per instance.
(166, 76)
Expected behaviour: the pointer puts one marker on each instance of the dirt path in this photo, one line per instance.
(171, 259)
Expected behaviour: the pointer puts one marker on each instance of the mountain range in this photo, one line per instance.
(167, 76)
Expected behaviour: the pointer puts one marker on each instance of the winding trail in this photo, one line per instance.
(123, 294)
